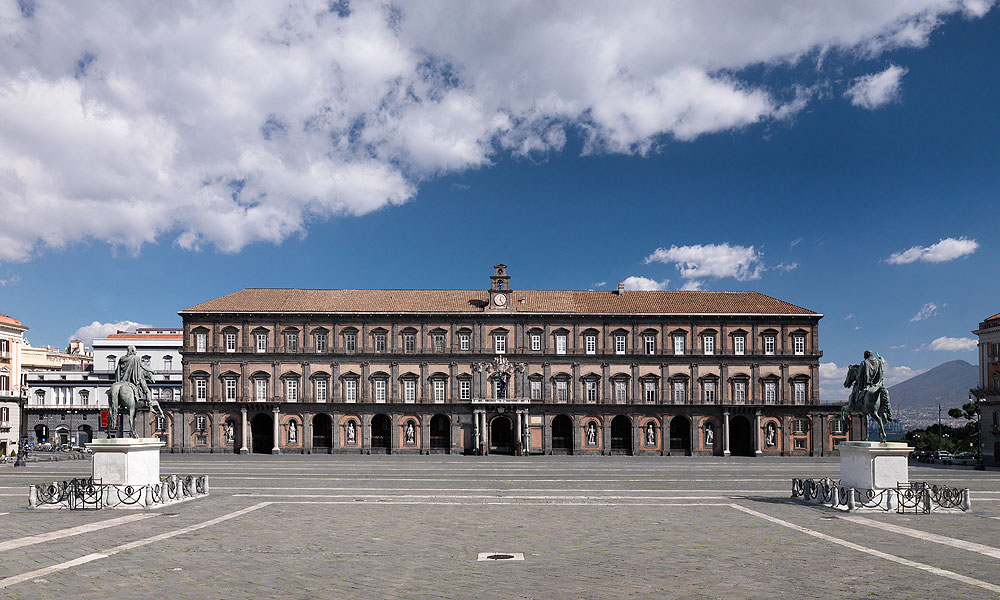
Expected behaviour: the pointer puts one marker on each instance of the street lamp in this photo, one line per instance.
(22, 443)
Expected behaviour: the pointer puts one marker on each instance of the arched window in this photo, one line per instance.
(85, 397)
(168, 363)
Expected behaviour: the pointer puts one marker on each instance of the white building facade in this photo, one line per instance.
(11, 382)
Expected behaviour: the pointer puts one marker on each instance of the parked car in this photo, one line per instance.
(945, 458)
(965, 458)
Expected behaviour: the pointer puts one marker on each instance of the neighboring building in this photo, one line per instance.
(989, 387)
(635, 372)
(65, 406)
(76, 357)
(11, 382)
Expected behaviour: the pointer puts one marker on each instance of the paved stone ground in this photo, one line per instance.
(411, 527)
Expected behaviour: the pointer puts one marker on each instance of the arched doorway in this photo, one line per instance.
(740, 437)
(322, 427)
(381, 434)
(680, 436)
(440, 432)
(562, 434)
(621, 435)
(41, 434)
(261, 434)
(501, 435)
(84, 435)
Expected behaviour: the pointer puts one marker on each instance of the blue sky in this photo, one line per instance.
(825, 156)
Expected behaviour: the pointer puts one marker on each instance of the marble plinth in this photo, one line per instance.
(874, 465)
(127, 461)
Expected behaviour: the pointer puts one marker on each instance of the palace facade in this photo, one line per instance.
(501, 370)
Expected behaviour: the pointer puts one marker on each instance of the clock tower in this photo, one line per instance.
(500, 296)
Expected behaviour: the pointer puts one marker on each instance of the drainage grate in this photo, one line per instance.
(500, 556)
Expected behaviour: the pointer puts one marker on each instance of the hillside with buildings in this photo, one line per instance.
(915, 401)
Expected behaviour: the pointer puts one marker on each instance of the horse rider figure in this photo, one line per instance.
(869, 395)
(131, 390)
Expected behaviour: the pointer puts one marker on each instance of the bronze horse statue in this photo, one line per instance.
(124, 396)
(873, 403)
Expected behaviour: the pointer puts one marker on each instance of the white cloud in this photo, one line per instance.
(692, 285)
(635, 282)
(943, 251)
(12, 280)
(897, 347)
(894, 375)
(786, 267)
(877, 89)
(830, 370)
(953, 344)
(796, 242)
(228, 123)
(87, 333)
(849, 317)
(929, 310)
(599, 284)
(711, 261)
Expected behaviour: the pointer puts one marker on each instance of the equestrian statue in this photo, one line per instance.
(130, 392)
(868, 394)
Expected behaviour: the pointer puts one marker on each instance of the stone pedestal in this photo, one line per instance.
(874, 465)
(127, 461)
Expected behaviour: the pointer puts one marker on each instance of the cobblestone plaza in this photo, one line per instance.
(413, 527)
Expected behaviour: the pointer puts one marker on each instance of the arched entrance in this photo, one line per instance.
(680, 436)
(62, 436)
(261, 434)
(501, 435)
(381, 434)
(41, 434)
(562, 434)
(84, 435)
(440, 432)
(621, 435)
(740, 436)
(322, 427)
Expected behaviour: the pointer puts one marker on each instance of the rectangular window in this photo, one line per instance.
(320, 390)
(649, 391)
(536, 341)
(739, 392)
(837, 426)
(378, 390)
(590, 343)
(562, 391)
(201, 390)
(678, 344)
(409, 391)
(800, 443)
(709, 389)
(621, 391)
(200, 342)
(463, 341)
(350, 390)
(261, 343)
(739, 344)
(168, 364)
(199, 423)
(560, 344)
(350, 342)
(619, 344)
(379, 341)
(536, 390)
(230, 342)
(770, 392)
(500, 343)
(465, 389)
(800, 392)
(321, 342)
(768, 344)
(798, 426)
(409, 342)
(291, 390)
(437, 341)
(260, 390)
(649, 344)
(439, 391)
(291, 342)
(591, 391)
(799, 344)
(679, 392)
(708, 343)
(230, 390)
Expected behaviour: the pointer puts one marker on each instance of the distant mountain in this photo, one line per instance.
(947, 384)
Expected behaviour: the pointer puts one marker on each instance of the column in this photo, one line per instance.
(307, 434)
(335, 382)
(306, 390)
(724, 384)
(244, 382)
(424, 394)
(485, 434)
(243, 431)
(636, 385)
(692, 391)
(519, 433)
(725, 433)
(365, 392)
(476, 445)
(756, 433)
(785, 386)
(606, 396)
(576, 391)
(213, 389)
(275, 382)
(754, 393)
(180, 426)
(277, 433)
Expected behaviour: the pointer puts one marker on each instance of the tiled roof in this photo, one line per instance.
(9, 320)
(473, 301)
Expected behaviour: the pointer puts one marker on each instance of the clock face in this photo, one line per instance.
(500, 299)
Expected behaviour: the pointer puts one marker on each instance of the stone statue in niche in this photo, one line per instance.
(650, 434)
(352, 434)
(591, 434)
(410, 435)
(230, 432)
(709, 434)
(770, 435)
(293, 432)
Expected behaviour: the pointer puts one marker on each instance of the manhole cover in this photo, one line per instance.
(500, 556)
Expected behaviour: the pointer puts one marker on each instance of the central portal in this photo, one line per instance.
(501, 436)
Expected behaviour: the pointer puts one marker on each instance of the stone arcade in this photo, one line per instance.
(501, 371)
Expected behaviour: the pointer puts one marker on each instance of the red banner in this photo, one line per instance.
(104, 418)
